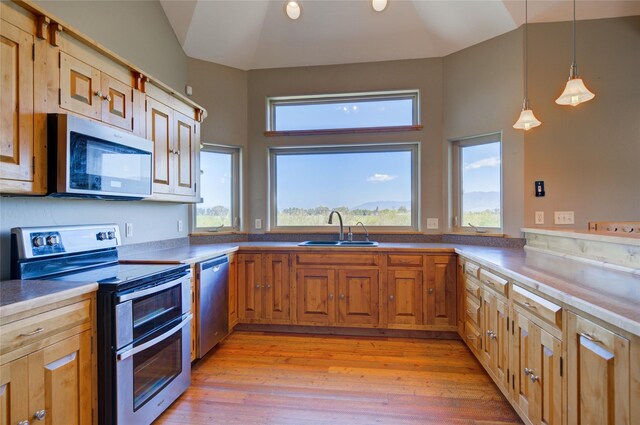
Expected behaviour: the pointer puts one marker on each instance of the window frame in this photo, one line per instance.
(273, 102)
(456, 146)
(236, 187)
(413, 147)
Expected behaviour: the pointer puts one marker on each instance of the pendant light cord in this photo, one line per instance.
(574, 65)
(526, 56)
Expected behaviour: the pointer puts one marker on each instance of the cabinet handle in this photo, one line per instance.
(527, 371)
(23, 423)
(40, 414)
(330, 296)
(529, 305)
(534, 378)
(98, 93)
(268, 286)
(590, 337)
(431, 290)
(37, 331)
(492, 334)
(107, 98)
(391, 297)
(257, 286)
(342, 296)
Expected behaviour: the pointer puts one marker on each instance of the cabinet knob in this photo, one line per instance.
(268, 286)
(431, 290)
(330, 296)
(534, 378)
(391, 297)
(23, 423)
(98, 93)
(107, 98)
(40, 414)
(342, 296)
(257, 286)
(527, 371)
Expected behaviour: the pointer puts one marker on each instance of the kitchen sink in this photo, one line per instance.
(338, 243)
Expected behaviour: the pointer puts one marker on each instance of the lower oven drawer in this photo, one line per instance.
(152, 374)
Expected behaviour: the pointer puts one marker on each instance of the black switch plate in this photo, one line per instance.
(539, 188)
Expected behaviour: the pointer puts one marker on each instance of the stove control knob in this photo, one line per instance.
(102, 236)
(38, 241)
(111, 235)
(53, 240)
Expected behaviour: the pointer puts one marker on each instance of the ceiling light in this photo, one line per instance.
(379, 5)
(293, 9)
(526, 120)
(575, 91)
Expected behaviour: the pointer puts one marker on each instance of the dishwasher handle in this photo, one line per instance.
(214, 263)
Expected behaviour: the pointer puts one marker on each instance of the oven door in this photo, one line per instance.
(140, 311)
(151, 374)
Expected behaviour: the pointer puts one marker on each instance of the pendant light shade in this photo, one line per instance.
(575, 92)
(527, 120)
(293, 9)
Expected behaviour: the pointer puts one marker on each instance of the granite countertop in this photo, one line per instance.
(20, 295)
(611, 295)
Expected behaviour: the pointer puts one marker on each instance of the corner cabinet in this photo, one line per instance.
(48, 366)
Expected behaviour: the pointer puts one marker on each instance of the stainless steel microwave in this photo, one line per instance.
(89, 159)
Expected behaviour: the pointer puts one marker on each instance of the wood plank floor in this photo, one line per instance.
(267, 378)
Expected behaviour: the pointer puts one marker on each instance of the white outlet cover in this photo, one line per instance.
(539, 217)
(180, 226)
(432, 223)
(258, 223)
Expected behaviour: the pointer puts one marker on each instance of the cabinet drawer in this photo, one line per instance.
(394, 260)
(471, 269)
(472, 337)
(473, 310)
(32, 329)
(473, 288)
(547, 310)
(494, 282)
(329, 259)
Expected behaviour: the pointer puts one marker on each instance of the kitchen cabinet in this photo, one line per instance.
(87, 91)
(358, 297)
(264, 288)
(495, 341)
(440, 290)
(404, 297)
(315, 289)
(176, 145)
(233, 291)
(598, 374)
(47, 370)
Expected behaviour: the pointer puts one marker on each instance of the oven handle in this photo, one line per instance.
(156, 340)
(148, 291)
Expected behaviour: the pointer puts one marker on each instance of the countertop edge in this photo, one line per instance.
(31, 303)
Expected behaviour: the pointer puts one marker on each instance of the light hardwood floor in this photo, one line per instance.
(269, 378)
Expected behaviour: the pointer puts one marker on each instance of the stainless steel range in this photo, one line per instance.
(143, 315)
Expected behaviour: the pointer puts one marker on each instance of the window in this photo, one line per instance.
(353, 111)
(376, 185)
(219, 188)
(478, 183)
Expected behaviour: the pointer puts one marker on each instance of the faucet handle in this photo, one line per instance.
(349, 234)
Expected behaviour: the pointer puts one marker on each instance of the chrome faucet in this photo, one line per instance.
(341, 234)
(365, 231)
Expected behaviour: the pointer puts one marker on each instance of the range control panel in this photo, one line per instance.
(46, 243)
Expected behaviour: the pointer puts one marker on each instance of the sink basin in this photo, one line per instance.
(338, 243)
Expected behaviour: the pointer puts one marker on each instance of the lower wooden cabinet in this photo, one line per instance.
(440, 290)
(264, 288)
(599, 375)
(358, 297)
(315, 296)
(495, 336)
(233, 291)
(404, 297)
(50, 376)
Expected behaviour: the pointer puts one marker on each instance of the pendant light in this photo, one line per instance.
(575, 92)
(293, 9)
(526, 120)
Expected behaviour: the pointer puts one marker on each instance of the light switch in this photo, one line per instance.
(258, 223)
(432, 223)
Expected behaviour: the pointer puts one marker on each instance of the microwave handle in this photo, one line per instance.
(156, 340)
(152, 290)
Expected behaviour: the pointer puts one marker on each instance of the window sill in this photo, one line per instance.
(492, 235)
(213, 232)
(393, 129)
(357, 231)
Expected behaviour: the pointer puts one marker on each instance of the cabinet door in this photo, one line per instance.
(80, 90)
(16, 103)
(500, 340)
(249, 286)
(117, 108)
(522, 360)
(598, 374)
(487, 328)
(276, 287)
(315, 296)
(159, 127)
(440, 291)
(60, 381)
(184, 154)
(461, 297)
(233, 292)
(358, 297)
(14, 391)
(547, 378)
(404, 297)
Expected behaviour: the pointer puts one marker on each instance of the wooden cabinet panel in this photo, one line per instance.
(159, 125)
(358, 296)
(16, 103)
(495, 346)
(276, 287)
(405, 260)
(472, 311)
(118, 103)
(539, 306)
(404, 304)
(233, 291)
(315, 290)
(598, 371)
(440, 290)
(494, 282)
(80, 90)
(522, 343)
(249, 286)
(184, 154)
(14, 392)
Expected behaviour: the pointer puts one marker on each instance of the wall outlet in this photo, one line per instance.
(432, 223)
(539, 217)
(128, 230)
(258, 223)
(180, 227)
(563, 217)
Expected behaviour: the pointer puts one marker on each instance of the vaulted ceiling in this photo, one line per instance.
(254, 34)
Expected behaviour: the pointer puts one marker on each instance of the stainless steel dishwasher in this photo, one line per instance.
(213, 302)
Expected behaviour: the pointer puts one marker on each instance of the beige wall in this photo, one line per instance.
(423, 74)
(588, 155)
(483, 94)
(137, 30)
